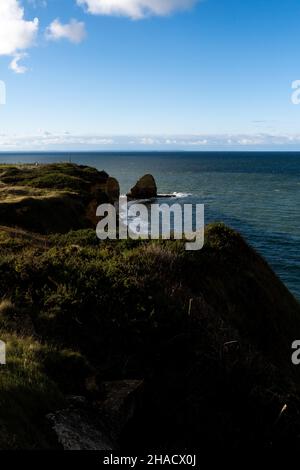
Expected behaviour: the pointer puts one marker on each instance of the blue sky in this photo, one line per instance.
(177, 74)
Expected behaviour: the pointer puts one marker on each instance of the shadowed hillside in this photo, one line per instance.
(200, 342)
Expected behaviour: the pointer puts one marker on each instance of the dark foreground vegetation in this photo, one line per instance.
(205, 337)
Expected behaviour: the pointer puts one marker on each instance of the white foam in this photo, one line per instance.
(181, 195)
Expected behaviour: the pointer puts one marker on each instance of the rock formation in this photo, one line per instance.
(145, 188)
(86, 426)
(53, 198)
(112, 189)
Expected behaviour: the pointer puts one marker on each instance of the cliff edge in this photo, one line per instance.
(53, 198)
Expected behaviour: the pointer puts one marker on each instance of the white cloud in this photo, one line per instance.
(149, 141)
(15, 32)
(45, 140)
(135, 9)
(15, 66)
(73, 31)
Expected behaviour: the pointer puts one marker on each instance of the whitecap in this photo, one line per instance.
(181, 195)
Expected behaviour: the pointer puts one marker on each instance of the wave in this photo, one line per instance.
(175, 194)
(181, 195)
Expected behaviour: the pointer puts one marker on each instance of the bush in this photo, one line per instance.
(7, 308)
(152, 311)
(26, 396)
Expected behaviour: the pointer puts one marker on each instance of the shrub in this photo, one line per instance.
(26, 396)
(7, 308)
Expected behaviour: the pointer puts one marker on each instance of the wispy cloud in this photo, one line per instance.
(15, 65)
(45, 140)
(73, 31)
(136, 9)
(16, 33)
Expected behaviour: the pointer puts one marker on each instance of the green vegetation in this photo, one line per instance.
(209, 333)
(59, 176)
(53, 198)
(26, 394)
(77, 311)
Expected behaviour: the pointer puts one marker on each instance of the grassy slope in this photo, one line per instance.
(77, 308)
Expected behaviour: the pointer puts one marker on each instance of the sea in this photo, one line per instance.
(256, 193)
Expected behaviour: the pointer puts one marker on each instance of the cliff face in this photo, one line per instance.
(53, 198)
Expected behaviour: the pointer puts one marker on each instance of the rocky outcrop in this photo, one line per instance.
(53, 198)
(77, 429)
(145, 188)
(102, 192)
(112, 189)
(121, 403)
(97, 426)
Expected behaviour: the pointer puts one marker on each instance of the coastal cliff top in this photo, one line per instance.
(59, 176)
(55, 198)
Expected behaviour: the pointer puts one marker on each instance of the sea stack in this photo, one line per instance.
(145, 188)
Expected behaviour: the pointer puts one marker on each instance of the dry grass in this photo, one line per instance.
(9, 194)
(6, 308)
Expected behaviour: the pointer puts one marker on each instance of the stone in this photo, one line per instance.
(112, 189)
(77, 429)
(85, 425)
(145, 188)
